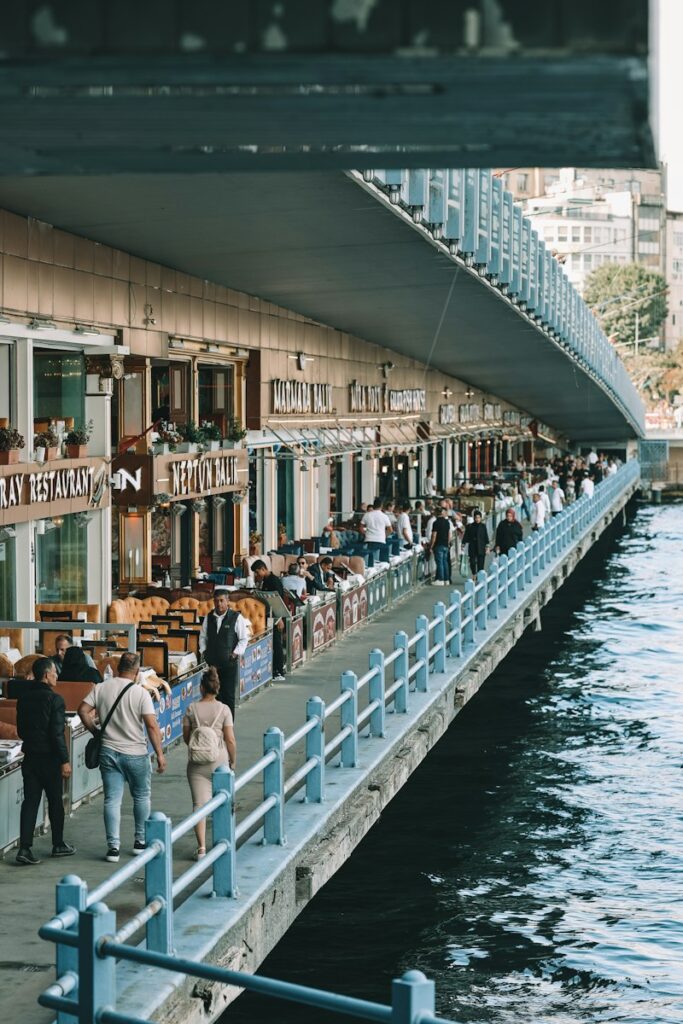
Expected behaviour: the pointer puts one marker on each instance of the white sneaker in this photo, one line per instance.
(278, 679)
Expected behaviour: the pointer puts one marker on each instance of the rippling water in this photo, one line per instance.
(533, 865)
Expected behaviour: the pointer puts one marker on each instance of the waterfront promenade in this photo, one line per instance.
(27, 961)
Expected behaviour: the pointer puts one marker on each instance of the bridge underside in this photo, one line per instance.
(321, 245)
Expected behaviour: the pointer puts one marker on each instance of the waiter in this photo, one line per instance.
(223, 639)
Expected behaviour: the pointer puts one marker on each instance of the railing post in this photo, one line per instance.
(468, 633)
(481, 591)
(349, 716)
(529, 555)
(502, 581)
(72, 893)
(440, 636)
(455, 645)
(412, 998)
(422, 653)
(223, 824)
(315, 747)
(96, 974)
(401, 666)
(492, 591)
(274, 785)
(159, 883)
(376, 692)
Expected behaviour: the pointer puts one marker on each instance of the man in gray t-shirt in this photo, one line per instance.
(124, 757)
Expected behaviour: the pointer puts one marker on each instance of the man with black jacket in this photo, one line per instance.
(223, 639)
(41, 717)
(477, 539)
(268, 582)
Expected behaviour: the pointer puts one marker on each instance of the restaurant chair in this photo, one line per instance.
(154, 655)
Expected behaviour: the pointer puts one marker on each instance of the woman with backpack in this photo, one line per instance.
(210, 737)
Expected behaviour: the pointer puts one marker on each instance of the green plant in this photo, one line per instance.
(80, 435)
(255, 538)
(235, 431)
(10, 439)
(190, 432)
(46, 439)
(210, 431)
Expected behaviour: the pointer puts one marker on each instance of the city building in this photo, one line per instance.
(674, 279)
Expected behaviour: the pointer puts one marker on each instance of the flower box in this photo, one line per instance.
(231, 444)
(9, 456)
(186, 447)
(160, 448)
(76, 451)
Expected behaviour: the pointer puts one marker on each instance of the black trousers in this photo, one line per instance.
(477, 563)
(228, 673)
(278, 653)
(42, 774)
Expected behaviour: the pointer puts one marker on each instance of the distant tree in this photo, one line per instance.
(617, 291)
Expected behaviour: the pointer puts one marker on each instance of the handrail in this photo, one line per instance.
(502, 589)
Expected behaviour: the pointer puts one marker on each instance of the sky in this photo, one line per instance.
(671, 97)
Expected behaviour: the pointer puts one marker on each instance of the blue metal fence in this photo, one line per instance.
(84, 930)
(457, 208)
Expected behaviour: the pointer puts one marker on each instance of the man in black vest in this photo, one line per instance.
(223, 639)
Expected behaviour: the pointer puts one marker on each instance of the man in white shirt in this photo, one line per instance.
(556, 498)
(538, 512)
(375, 525)
(587, 486)
(124, 756)
(429, 489)
(403, 527)
(545, 499)
(294, 583)
(222, 640)
(592, 458)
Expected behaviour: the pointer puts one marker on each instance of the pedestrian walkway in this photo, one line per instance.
(27, 962)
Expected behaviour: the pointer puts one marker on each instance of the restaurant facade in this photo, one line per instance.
(213, 423)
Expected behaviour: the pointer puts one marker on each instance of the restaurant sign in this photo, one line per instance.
(469, 413)
(446, 414)
(296, 396)
(380, 398)
(492, 412)
(192, 476)
(46, 486)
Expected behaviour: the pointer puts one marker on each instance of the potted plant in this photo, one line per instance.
(190, 437)
(235, 434)
(77, 441)
(211, 436)
(281, 534)
(46, 445)
(167, 439)
(255, 539)
(11, 442)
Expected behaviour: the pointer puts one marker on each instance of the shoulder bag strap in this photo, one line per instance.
(114, 707)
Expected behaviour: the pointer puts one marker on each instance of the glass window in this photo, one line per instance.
(576, 234)
(522, 182)
(132, 405)
(588, 261)
(61, 560)
(7, 578)
(58, 386)
(216, 394)
(588, 234)
(678, 266)
(6, 383)
(678, 238)
(562, 233)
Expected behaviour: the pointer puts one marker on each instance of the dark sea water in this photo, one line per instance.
(533, 865)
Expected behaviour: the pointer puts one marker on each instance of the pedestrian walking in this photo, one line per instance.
(557, 499)
(41, 718)
(223, 638)
(538, 512)
(210, 737)
(476, 537)
(440, 542)
(124, 757)
(508, 532)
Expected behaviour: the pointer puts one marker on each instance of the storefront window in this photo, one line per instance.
(285, 493)
(171, 391)
(61, 560)
(7, 576)
(58, 386)
(216, 394)
(161, 543)
(6, 383)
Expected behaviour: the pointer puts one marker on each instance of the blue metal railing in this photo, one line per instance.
(454, 206)
(447, 636)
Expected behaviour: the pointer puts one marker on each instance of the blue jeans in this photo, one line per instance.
(441, 559)
(136, 770)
